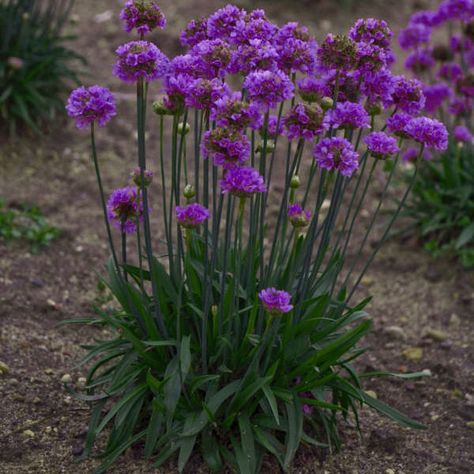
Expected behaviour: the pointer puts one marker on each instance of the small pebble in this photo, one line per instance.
(49, 371)
(371, 393)
(413, 353)
(396, 332)
(389, 471)
(28, 434)
(436, 334)
(470, 424)
(66, 378)
(4, 369)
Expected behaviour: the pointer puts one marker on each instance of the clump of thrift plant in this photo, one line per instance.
(236, 328)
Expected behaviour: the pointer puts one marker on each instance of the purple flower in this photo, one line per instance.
(450, 71)
(408, 95)
(424, 17)
(298, 216)
(176, 88)
(312, 89)
(435, 96)
(420, 60)
(144, 16)
(136, 177)
(89, 105)
(414, 35)
(430, 132)
(381, 145)
(296, 49)
(274, 128)
(336, 153)
(256, 26)
(456, 10)
(231, 111)
(228, 147)
(123, 209)
(371, 31)
(268, 88)
(253, 55)
(348, 115)
(243, 182)
(411, 154)
(192, 215)
(338, 52)
(211, 57)
(465, 85)
(462, 134)
(195, 32)
(190, 65)
(460, 106)
(224, 23)
(378, 86)
(397, 123)
(276, 302)
(202, 94)
(371, 58)
(140, 59)
(304, 121)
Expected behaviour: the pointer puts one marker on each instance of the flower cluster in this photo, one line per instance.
(125, 208)
(143, 15)
(298, 216)
(336, 153)
(192, 215)
(276, 302)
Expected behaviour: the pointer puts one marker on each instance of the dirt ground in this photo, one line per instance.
(42, 429)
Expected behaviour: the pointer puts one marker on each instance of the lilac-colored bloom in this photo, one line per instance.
(456, 10)
(268, 88)
(348, 115)
(202, 94)
(462, 134)
(381, 145)
(190, 65)
(465, 85)
(460, 106)
(424, 17)
(412, 153)
(91, 104)
(371, 31)
(371, 58)
(312, 89)
(195, 32)
(276, 302)
(140, 59)
(176, 88)
(212, 57)
(378, 86)
(450, 71)
(304, 121)
(143, 16)
(296, 49)
(397, 123)
(227, 147)
(231, 111)
(338, 52)
(192, 215)
(253, 55)
(430, 132)
(408, 95)
(124, 207)
(243, 182)
(224, 23)
(336, 153)
(274, 127)
(298, 216)
(420, 60)
(255, 26)
(414, 35)
(435, 96)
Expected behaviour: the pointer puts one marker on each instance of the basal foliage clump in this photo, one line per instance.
(235, 333)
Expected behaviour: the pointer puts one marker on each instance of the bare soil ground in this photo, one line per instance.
(42, 428)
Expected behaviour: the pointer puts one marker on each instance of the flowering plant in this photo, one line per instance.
(442, 203)
(236, 334)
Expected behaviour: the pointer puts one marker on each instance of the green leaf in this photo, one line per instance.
(466, 236)
(272, 402)
(248, 443)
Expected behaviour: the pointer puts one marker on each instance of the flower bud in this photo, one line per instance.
(295, 182)
(135, 175)
(269, 148)
(184, 126)
(25, 16)
(15, 63)
(214, 310)
(374, 109)
(326, 103)
(160, 108)
(189, 191)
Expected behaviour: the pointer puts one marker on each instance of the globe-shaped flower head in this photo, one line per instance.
(91, 104)
(124, 207)
(429, 132)
(304, 121)
(276, 302)
(140, 59)
(336, 153)
(192, 215)
(226, 146)
(243, 182)
(298, 216)
(338, 52)
(381, 145)
(143, 15)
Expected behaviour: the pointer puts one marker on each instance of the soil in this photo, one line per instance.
(43, 428)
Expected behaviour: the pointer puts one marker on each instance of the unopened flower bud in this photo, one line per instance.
(326, 103)
(189, 191)
(135, 175)
(183, 128)
(295, 182)
(269, 148)
(214, 309)
(15, 63)
(160, 108)
(25, 16)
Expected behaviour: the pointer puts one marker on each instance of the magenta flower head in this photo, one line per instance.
(195, 31)
(411, 154)
(91, 104)
(420, 61)
(429, 132)
(231, 111)
(462, 134)
(225, 23)
(338, 52)
(371, 31)
(253, 55)
(192, 215)
(347, 115)
(143, 15)
(381, 145)
(226, 146)
(397, 123)
(203, 93)
(414, 35)
(408, 95)
(276, 302)
(274, 128)
(298, 216)
(123, 209)
(243, 182)
(312, 89)
(336, 153)
(435, 96)
(304, 121)
(140, 59)
(268, 88)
